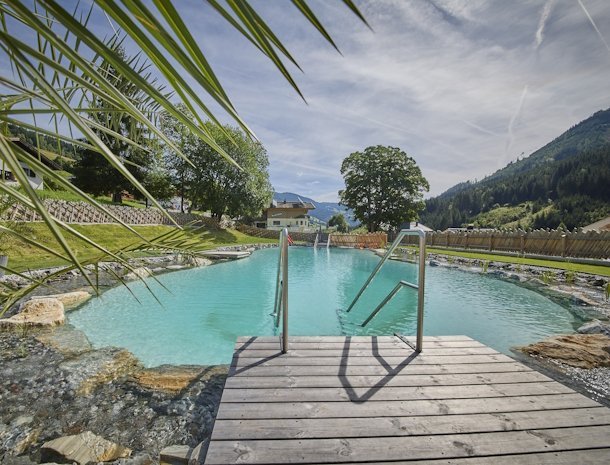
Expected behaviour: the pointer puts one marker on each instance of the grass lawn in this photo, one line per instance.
(576, 267)
(26, 257)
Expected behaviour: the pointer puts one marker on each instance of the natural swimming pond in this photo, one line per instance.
(203, 310)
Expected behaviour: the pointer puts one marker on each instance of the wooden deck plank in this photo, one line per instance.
(424, 359)
(389, 379)
(318, 428)
(242, 339)
(413, 447)
(374, 400)
(378, 370)
(378, 393)
(570, 457)
(500, 404)
(380, 352)
(368, 345)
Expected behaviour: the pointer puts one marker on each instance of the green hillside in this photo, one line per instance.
(565, 183)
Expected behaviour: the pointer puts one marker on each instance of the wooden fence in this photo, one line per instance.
(360, 241)
(272, 234)
(590, 244)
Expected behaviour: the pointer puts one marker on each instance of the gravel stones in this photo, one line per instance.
(41, 399)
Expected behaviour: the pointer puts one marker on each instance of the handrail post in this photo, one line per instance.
(285, 294)
(377, 268)
(420, 291)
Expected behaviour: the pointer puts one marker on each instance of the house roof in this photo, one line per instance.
(35, 153)
(601, 225)
(300, 204)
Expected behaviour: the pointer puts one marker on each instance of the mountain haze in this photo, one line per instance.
(324, 210)
(565, 183)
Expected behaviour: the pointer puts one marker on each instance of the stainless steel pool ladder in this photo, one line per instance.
(280, 307)
(419, 286)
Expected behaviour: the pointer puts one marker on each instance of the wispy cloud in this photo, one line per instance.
(511, 123)
(546, 11)
(594, 25)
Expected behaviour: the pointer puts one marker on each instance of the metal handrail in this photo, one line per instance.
(280, 306)
(419, 286)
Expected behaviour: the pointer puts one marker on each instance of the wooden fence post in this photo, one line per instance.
(522, 244)
(491, 242)
(563, 245)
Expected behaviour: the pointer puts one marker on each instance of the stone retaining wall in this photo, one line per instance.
(82, 212)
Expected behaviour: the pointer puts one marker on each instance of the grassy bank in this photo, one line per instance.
(26, 257)
(575, 267)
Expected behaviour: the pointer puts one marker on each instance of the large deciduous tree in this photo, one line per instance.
(338, 220)
(383, 186)
(222, 187)
(211, 182)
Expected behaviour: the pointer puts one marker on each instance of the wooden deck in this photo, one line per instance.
(373, 400)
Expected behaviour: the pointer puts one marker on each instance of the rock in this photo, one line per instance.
(200, 261)
(67, 340)
(595, 327)
(83, 448)
(88, 370)
(184, 455)
(168, 378)
(576, 350)
(140, 272)
(175, 267)
(37, 312)
(69, 299)
(433, 263)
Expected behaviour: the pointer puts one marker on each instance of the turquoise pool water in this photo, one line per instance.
(206, 308)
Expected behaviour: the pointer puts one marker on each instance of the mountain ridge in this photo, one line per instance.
(323, 211)
(564, 183)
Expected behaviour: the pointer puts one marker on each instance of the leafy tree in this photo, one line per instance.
(214, 184)
(383, 186)
(339, 221)
(121, 133)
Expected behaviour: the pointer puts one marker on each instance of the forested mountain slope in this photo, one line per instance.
(565, 183)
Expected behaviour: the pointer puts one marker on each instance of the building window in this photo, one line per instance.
(276, 223)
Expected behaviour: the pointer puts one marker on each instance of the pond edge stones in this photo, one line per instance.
(83, 448)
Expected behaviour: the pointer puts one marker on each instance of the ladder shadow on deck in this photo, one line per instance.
(243, 348)
(344, 379)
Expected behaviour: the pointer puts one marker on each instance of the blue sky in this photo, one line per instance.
(463, 87)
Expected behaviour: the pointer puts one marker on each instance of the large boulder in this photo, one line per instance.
(37, 312)
(69, 299)
(576, 350)
(169, 378)
(65, 339)
(138, 273)
(83, 448)
(595, 327)
(91, 369)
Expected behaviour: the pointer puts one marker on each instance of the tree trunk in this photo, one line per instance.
(117, 197)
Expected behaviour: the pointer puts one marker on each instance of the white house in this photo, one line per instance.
(34, 178)
(291, 215)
